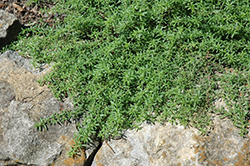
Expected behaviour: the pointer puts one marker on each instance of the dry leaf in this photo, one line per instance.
(19, 8)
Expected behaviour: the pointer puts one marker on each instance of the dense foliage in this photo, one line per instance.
(129, 61)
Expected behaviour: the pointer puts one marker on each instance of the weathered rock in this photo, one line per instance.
(24, 63)
(9, 28)
(22, 103)
(21, 142)
(6, 94)
(160, 145)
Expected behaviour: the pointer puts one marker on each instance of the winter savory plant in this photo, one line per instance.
(130, 61)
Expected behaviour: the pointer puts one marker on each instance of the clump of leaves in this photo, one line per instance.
(125, 62)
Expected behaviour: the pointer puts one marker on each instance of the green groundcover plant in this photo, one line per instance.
(130, 61)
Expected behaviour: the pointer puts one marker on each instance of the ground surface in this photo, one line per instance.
(30, 14)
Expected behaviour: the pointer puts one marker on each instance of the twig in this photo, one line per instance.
(108, 145)
(32, 98)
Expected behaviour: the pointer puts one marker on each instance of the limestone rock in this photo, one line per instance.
(22, 103)
(6, 94)
(9, 28)
(160, 145)
(21, 62)
(21, 142)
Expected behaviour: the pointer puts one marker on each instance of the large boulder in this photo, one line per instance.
(22, 103)
(160, 145)
(9, 28)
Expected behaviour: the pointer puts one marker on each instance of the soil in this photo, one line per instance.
(30, 14)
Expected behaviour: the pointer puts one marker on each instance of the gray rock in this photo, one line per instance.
(9, 28)
(6, 94)
(20, 140)
(22, 103)
(22, 62)
(160, 145)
